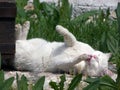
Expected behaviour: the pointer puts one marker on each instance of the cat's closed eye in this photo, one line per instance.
(99, 55)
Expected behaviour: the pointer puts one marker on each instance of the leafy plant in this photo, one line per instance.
(106, 83)
(22, 83)
(102, 83)
(65, 11)
(60, 86)
(5, 84)
(118, 56)
(39, 84)
(75, 81)
(21, 15)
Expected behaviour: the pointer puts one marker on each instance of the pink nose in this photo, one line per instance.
(90, 57)
(95, 57)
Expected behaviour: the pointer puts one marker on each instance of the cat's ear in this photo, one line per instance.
(108, 55)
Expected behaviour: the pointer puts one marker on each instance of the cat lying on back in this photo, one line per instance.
(44, 56)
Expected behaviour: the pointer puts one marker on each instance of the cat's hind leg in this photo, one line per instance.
(69, 38)
(18, 28)
(22, 30)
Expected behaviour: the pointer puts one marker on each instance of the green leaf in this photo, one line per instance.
(117, 10)
(22, 83)
(101, 83)
(1, 78)
(107, 81)
(61, 84)
(17, 80)
(75, 81)
(91, 80)
(21, 12)
(65, 11)
(94, 85)
(107, 13)
(118, 16)
(39, 84)
(118, 61)
(8, 83)
(54, 85)
(36, 5)
(112, 44)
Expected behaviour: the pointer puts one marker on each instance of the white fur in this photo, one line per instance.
(22, 30)
(40, 55)
(97, 65)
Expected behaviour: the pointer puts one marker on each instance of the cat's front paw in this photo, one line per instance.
(86, 57)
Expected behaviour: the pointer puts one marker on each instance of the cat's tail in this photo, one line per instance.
(69, 38)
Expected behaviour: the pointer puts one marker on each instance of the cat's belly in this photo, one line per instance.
(32, 57)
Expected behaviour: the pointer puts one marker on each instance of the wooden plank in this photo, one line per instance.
(7, 30)
(7, 61)
(9, 1)
(7, 38)
(7, 56)
(8, 8)
(7, 48)
(10, 12)
(7, 26)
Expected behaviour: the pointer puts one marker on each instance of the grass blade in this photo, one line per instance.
(75, 81)
(61, 84)
(54, 85)
(8, 83)
(39, 84)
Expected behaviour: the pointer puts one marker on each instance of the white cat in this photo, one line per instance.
(41, 55)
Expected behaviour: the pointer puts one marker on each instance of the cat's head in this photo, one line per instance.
(98, 63)
(100, 57)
